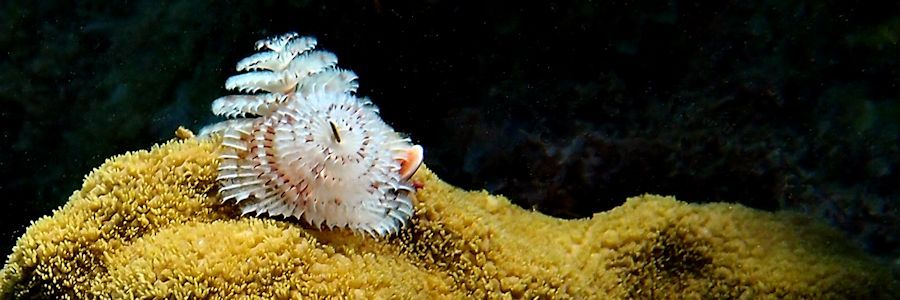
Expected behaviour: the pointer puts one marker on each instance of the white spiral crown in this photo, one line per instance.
(303, 145)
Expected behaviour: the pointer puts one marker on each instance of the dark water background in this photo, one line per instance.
(565, 107)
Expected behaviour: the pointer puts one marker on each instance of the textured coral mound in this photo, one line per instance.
(149, 224)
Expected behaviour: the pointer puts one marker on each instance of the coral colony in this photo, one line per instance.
(142, 228)
(302, 144)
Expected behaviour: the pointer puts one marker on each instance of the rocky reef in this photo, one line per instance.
(150, 224)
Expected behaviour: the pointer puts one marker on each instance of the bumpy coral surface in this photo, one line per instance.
(149, 224)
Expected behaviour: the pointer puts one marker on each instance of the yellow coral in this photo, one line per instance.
(149, 224)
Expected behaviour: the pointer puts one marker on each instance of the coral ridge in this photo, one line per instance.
(149, 224)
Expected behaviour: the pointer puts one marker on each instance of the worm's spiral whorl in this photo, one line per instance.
(316, 151)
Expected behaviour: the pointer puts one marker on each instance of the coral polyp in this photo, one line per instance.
(305, 146)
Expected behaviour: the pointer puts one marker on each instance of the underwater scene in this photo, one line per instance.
(447, 149)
